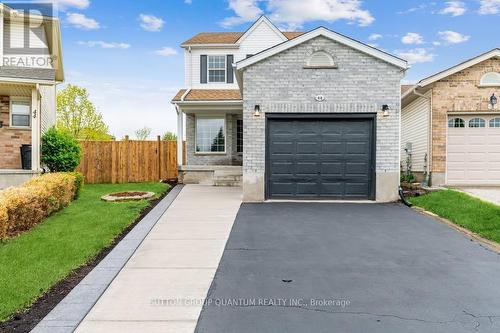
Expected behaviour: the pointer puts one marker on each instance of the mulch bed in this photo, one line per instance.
(26, 320)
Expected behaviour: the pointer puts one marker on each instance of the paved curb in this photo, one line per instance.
(68, 314)
(493, 246)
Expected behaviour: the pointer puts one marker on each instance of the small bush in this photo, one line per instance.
(24, 206)
(60, 151)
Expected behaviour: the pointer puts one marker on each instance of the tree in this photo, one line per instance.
(169, 136)
(77, 116)
(143, 133)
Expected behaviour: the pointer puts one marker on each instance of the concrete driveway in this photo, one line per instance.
(313, 267)
(491, 194)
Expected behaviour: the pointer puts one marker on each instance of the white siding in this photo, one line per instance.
(13, 33)
(415, 129)
(48, 106)
(261, 38)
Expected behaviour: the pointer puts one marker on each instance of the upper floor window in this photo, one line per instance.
(216, 68)
(20, 111)
(456, 122)
(477, 122)
(491, 79)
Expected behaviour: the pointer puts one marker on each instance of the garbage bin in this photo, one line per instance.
(26, 157)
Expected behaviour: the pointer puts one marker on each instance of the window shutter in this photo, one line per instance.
(203, 68)
(229, 68)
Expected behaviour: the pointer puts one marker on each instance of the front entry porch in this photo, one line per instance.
(214, 137)
(20, 126)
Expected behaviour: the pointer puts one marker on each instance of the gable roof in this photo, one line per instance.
(262, 20)
(457, 68)
(322, 31)
(227, 37)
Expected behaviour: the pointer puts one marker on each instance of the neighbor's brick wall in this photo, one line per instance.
(11, 139)
(458, 92)
(281, 84)
(229, 158)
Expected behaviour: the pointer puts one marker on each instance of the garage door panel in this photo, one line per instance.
(332, 169)
(308, 147)
(330, 158)
(473, 155)
(332, 148)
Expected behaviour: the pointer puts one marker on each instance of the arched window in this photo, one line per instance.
(320, 59)
(491, 79)
(477, 122)
(495, 122)
(456, 122)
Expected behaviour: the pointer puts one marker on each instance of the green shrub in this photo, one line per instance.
(78, 183)
(24, 206)
(60, 151)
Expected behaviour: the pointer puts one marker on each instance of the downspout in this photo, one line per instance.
(429, 137)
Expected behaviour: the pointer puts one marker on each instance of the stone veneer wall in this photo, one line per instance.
(228, 158)
(457, 92)
(11, 139)
(361, 83)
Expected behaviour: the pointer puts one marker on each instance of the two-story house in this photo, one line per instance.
(30, 49)
(297, 115)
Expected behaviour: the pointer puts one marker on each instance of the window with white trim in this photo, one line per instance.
(456, 122)
(477, 122)
(495, 122)
(210, 135)
(20, 113)
(216, 68)
(491, 79)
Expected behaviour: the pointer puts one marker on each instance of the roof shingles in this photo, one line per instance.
(208, 95)
(227, 37)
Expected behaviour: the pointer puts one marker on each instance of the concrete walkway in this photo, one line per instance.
(163, 285)
(491, 194)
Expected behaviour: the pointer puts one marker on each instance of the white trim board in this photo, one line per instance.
(263, 19)
(459, 67)
(322, 31)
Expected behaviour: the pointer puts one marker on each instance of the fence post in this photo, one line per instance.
(159, 156)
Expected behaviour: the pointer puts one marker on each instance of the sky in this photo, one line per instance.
(126, 52)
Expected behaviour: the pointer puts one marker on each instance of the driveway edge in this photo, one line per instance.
(68, 314)
(490, 245)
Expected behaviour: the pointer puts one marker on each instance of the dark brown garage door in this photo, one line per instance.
(320, 158)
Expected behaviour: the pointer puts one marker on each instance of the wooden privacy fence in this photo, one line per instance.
(128, 161)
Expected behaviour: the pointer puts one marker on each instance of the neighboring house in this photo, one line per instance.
(30, 49)
(451, 124)
(312, 115)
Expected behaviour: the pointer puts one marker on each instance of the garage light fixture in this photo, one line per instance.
(493, 101)
(1, 123)
(256, 111)
(385, 110)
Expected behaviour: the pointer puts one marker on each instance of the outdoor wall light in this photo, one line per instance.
(1, 123)
(493, 101)
(256, 111)
(385, 110)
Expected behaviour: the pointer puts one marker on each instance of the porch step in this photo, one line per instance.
(227, 178)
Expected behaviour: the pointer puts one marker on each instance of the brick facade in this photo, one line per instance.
(11, 139)
(460, 92)
(361, 83)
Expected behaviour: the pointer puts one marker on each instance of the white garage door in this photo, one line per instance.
(473, 156)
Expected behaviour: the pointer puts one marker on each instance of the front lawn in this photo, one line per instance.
(34, 261)
(473, 214)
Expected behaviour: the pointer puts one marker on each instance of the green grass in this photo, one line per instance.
(34, 261)
(473, 214)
